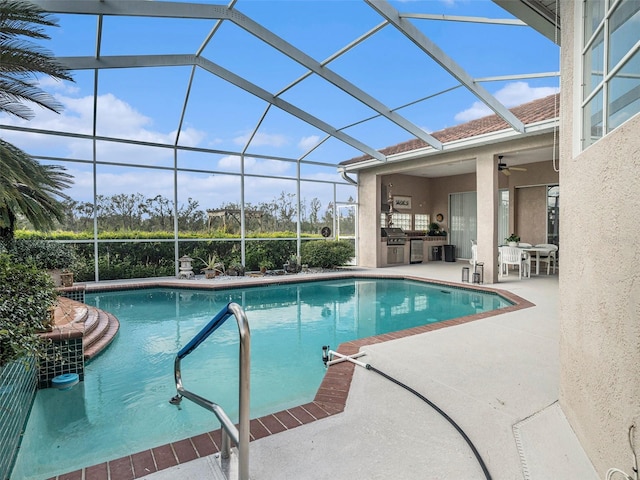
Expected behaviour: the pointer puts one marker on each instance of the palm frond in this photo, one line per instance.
(31, 189)
(22, 61)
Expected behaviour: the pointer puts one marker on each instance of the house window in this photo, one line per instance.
(421, 221)
(398, 220)
(402, 220)
(610, 63)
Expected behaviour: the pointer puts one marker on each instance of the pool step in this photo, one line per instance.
(100, 329)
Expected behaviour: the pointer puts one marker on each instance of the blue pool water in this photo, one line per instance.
(122, 407)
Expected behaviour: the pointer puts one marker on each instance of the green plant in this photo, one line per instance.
(293, 260)
(235, 268)
(266, 264)
(213, 263)
(434, 229)
(327, 254)
(26, 298)
(512, 238)
(43, 254)
(27, 188)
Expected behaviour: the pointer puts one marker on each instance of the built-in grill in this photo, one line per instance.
(396, 239)
(394, 236)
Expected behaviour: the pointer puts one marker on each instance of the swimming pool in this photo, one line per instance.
(122, 406)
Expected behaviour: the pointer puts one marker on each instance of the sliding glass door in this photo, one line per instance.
(463, 224)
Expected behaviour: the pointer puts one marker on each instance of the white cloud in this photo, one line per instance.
(511, 95)
(255, 166)
(232, 163)
(262, 139)
(116, 118)
(307, 143)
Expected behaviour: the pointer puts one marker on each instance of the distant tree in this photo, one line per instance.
(327, 218)
(129, 208)
(160, 210)
(286, 209)
(27, 188)
(314, 208)
(191, 217)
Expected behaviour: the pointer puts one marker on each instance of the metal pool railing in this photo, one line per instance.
(240, 436)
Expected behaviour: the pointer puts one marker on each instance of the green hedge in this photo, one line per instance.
(43, 254)
(147, 259)
(327, 253)
(26, 295)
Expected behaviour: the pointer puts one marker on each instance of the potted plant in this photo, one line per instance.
(266, 265)
(66, 277)
(235, 269)
(212, 266)
(434, 229)
(512, 240)
(292, 265)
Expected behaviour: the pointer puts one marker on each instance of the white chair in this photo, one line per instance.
(515, 257)
(525, 245)
(549, 258)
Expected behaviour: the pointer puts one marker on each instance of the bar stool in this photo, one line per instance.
(465, 274)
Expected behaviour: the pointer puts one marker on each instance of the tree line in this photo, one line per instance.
(134, 211)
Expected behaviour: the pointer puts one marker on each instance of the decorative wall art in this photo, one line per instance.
(401, 203)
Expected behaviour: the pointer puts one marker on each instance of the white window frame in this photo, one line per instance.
(601, 91)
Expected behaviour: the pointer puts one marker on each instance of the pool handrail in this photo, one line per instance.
(240, 436)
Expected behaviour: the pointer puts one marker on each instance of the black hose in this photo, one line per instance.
(441, 412)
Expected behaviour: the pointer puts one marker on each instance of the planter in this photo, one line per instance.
(513, 244)
(210, 273)
(66, 279)
(290, 268)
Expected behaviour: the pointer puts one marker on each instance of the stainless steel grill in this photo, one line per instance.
(394, 236)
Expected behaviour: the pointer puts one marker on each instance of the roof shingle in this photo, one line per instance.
(538, 110)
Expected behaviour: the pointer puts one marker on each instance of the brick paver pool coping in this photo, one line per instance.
(330, 399)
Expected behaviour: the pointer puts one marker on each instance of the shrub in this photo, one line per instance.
(268, 253)
(26, 296)
(326, 254)
(43, 254)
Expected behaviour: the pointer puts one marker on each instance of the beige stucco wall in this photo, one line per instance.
(599, 278)
(530, 208)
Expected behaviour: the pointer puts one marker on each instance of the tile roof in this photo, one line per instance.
(538, 110)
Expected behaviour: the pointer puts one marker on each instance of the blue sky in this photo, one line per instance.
(146, 103)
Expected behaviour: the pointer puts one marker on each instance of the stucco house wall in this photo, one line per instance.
(600, 277)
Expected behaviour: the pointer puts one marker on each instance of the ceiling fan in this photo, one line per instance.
(502, 167)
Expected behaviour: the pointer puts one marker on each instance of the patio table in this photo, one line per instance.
(537, 251)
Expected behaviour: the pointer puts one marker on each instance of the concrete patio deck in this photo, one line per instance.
(497, 378)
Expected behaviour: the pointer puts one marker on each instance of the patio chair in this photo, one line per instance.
(549, 258)
(513, 256)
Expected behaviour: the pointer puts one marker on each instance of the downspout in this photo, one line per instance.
(344, 175)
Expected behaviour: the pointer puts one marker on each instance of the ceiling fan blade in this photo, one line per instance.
(506, 171)
(518, 169)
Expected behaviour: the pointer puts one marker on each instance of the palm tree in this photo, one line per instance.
(27, 188)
